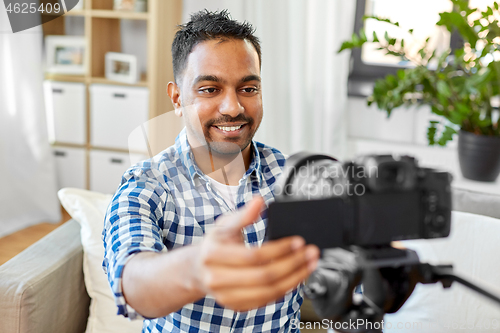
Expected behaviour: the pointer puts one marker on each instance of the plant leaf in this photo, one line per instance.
(362, 35)
(447, 135)
(431, 132)
(443, 88)
(346, 45)
(454, 20)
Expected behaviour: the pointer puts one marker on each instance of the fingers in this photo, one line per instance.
(243, 299)
(238, 255)
(223, 277)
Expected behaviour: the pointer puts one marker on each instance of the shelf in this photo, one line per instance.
(65, 78)
(70, 13)
(75, 12)
(142, 83)
(56, 144)
(118, 14)
(119, 150)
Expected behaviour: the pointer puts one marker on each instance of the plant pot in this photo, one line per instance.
(479, 156)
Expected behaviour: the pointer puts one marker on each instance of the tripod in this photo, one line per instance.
(388, 277)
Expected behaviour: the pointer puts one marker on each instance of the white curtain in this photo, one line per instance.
(304, 79)
(28, 185)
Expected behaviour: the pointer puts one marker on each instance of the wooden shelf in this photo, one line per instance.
(70, 13)
(103, 33)
(118, 14)
(81, 12)
(56, 144)
(65, 78)
(118, 150)
(142, 83)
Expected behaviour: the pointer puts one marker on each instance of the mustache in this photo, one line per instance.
(225, 119)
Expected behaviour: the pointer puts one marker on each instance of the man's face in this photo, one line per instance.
(220, 88)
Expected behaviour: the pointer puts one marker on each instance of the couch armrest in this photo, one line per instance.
(42, 289)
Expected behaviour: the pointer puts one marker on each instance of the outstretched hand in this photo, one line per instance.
(244, 278)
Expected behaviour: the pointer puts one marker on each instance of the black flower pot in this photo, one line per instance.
(479, 156)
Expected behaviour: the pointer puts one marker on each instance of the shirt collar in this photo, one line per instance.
(186, 156)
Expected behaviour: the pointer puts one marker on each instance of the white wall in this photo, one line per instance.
(370, 130)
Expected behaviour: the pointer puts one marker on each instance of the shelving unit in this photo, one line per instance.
(102, 32)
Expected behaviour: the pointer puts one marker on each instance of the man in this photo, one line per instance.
(183, 234)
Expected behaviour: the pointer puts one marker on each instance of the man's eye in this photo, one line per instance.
(209, 90)
(249, 90)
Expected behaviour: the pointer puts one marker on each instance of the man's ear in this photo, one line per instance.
(174, 93)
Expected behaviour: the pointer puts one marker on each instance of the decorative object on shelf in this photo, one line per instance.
(459, 85)
(141, 6)
(65, 54)
(121, 67)
(130, 5)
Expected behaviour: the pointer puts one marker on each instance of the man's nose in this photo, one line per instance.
(231, 105)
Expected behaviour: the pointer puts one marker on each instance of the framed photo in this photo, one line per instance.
(65, 54)
(130, 5)
(121, 67)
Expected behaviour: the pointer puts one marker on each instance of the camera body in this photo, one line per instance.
(371, 201)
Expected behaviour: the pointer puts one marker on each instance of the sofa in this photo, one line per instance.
(43, 289)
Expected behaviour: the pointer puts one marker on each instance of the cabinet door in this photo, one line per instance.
(65, 106)
(116, 111)
(70, 167)
(107, 168)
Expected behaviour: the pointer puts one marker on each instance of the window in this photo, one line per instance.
(369, 64)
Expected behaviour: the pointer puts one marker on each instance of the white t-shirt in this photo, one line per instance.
(227, 192)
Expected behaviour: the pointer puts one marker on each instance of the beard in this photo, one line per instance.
(231, 146)
(227, 148)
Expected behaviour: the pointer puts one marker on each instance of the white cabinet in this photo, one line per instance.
(65, 107)
(115, 112)
(70, 167)
(107, 168)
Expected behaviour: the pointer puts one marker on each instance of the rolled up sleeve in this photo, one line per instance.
(133, 224)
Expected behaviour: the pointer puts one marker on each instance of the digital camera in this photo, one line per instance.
(371, 201)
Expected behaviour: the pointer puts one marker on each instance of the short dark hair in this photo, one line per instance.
(203, 26)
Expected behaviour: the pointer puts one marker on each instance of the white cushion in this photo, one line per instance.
(473, 249)
(89, 208)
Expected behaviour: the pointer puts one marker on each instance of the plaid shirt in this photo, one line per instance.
(167, 202)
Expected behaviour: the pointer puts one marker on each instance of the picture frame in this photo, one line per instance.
(65, 54)
(121, 67)
(130, 5)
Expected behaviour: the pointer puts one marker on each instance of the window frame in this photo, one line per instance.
(362, 76)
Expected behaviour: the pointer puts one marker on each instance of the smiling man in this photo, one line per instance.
(184, 233)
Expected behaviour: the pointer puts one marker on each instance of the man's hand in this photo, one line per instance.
(243, 278)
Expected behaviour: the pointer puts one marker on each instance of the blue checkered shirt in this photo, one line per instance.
(167, 202)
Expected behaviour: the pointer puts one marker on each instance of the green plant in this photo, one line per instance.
(459, 86)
